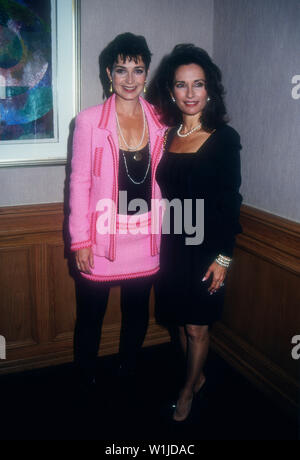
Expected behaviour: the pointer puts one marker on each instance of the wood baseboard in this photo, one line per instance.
(257, 368)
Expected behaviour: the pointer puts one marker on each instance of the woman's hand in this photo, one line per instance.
(219, 275)
(85, 260)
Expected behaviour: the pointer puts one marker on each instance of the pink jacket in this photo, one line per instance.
(95, 175)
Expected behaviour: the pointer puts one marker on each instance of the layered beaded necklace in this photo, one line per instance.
(137, 155)
(136, 147)
(147, 169)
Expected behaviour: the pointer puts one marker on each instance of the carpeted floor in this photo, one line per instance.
(45, 404)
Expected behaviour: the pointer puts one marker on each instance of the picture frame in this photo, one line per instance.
(48, 146)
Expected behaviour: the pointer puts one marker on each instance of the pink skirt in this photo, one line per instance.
(133, 252)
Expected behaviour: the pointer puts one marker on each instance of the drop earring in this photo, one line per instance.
(173, 98)
(208, 99)
(145, 89)
(111, 87)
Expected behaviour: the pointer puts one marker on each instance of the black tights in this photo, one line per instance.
(92, 300)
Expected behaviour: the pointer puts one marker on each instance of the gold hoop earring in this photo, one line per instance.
(111, 87)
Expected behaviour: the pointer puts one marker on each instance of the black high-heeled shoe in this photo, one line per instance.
(185, 410)
(126, 372)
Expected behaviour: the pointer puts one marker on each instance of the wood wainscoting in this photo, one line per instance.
(262, 311)
(38, 305)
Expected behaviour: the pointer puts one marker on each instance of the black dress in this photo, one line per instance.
(211, 174)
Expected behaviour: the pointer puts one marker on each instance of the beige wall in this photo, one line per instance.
(256, 44)
(163, 22)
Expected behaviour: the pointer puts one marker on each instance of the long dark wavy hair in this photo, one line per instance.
(214, 114)
(125, 45)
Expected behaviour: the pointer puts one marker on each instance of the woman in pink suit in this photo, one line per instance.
(116, 148)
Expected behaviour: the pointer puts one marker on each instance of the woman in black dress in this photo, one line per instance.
(200, 165)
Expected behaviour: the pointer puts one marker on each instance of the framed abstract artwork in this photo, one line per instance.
(39, 79)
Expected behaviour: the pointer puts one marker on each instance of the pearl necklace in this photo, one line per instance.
(189, 132)
(136, 147)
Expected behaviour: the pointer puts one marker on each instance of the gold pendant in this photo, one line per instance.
(137, 156)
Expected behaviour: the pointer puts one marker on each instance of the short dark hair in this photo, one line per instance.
(125, 45)
(214, 113)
